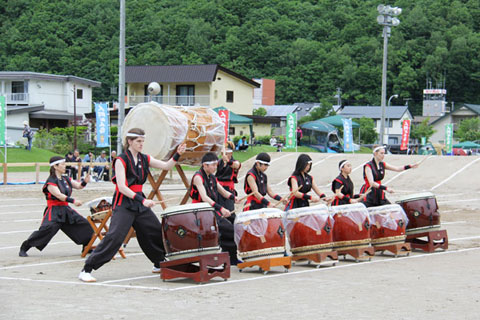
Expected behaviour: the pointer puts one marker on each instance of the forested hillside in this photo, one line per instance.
(309, 47)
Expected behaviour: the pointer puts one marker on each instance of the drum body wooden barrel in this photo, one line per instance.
(166, 127)
(260, 234)
(310, 230)
(388, 225)
(189, 230)
(352, 226)
(422, 212)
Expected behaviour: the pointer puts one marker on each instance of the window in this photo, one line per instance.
(229, 96)
(231, 131)
(19, 90)
(79, 93)
(186, 95)
(18, 87)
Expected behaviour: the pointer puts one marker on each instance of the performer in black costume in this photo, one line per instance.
(227, 171)
(373, 174)
(342, 186)
(256, 184)
(131, 208)
(300, 177)
(205, 188)
(58, 215)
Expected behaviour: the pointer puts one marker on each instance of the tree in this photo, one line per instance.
(468, 130)
(367, 131)
(422, 129)
(260, 112)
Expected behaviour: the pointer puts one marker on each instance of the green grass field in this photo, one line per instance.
(21, 155)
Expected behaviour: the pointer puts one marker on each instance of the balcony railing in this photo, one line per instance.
(18, 98)
(172, 100)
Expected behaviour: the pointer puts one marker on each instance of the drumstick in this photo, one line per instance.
(243, 198)
(421, 161)
(289, 196)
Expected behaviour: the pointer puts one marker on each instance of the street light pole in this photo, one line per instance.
(385, 19)
(388, 119)
(121, 77)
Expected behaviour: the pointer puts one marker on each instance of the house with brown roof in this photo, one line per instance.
(192, 85)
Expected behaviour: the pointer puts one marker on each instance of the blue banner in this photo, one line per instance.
(347, 135)
(103, 124)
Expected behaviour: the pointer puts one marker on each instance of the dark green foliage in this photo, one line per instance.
(422, 129)
(367, 131)
(309, 47)
(260, 112)
(468, 130)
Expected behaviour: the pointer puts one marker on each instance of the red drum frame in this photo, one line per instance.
(352, 226)
(388, 225)
(422, 212)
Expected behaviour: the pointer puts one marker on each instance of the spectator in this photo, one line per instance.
(87, 159)
(113, 155)
(275, 143)
(242, 144)
(299, 135)
(27, 133)
(76, 158)
(102, 171)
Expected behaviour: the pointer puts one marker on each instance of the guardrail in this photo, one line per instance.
(37, 166)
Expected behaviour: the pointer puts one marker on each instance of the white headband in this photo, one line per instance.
(343, 164)
(378, 148)
(263, 162)
(228, 150)
(309, 161)
(57, 162)
(210, 162)
(136, 135)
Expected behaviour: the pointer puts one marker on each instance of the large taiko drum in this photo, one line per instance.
(388, 225)
(422, 212)
(260, 234)
(168, 126)
(310, 230)
(99, 207)
(352, 226)
(189, 230)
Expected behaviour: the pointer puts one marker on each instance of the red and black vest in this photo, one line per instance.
(347, 190)
(209, 183)
(64, 184)
(306, 183)
(377, 196)
(135, 175)
(226, 175)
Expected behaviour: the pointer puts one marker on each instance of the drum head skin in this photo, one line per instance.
(415, 196)
(201, 206)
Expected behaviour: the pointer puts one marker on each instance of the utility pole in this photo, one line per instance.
(121, 77)
(74, 117)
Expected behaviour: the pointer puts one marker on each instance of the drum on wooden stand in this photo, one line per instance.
(99, 207)
(166, 127)
(352, 226)
(260, 234)
(310, 230)
(422, 212)
(388, 225)
(189, 230)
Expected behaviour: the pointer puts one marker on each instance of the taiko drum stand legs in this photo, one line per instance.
(359, 254)
(266, 264)
(437, 239)
(319, 258)
(397, 249)
(209, 266)
(156, 185)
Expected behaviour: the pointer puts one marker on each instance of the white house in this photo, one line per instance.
(394, 116)
(43, 100)
(462, 112)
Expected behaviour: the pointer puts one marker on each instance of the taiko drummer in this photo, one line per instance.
(227, 171)
(301, 178)
(342, 186)
(130, 207)
(58, 215)
(373, 174)
(205, 188)
(256, 185)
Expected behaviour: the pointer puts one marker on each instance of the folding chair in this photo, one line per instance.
(98, 222)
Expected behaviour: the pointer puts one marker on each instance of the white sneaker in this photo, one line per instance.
(156, 270)
(86, 277)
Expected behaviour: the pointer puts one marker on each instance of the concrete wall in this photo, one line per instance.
(242, 94)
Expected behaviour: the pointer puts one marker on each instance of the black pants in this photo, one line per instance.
(227, 203)
(227, 236)
(80, 233)
(149, 237)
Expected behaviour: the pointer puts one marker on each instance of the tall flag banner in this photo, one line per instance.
(291, 136)
(405, 134)
(103, 124)
(225, 117)
(448, 138)
(347, 135)
(3, 112)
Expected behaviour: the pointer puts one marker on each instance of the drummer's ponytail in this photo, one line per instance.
(138, 131)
